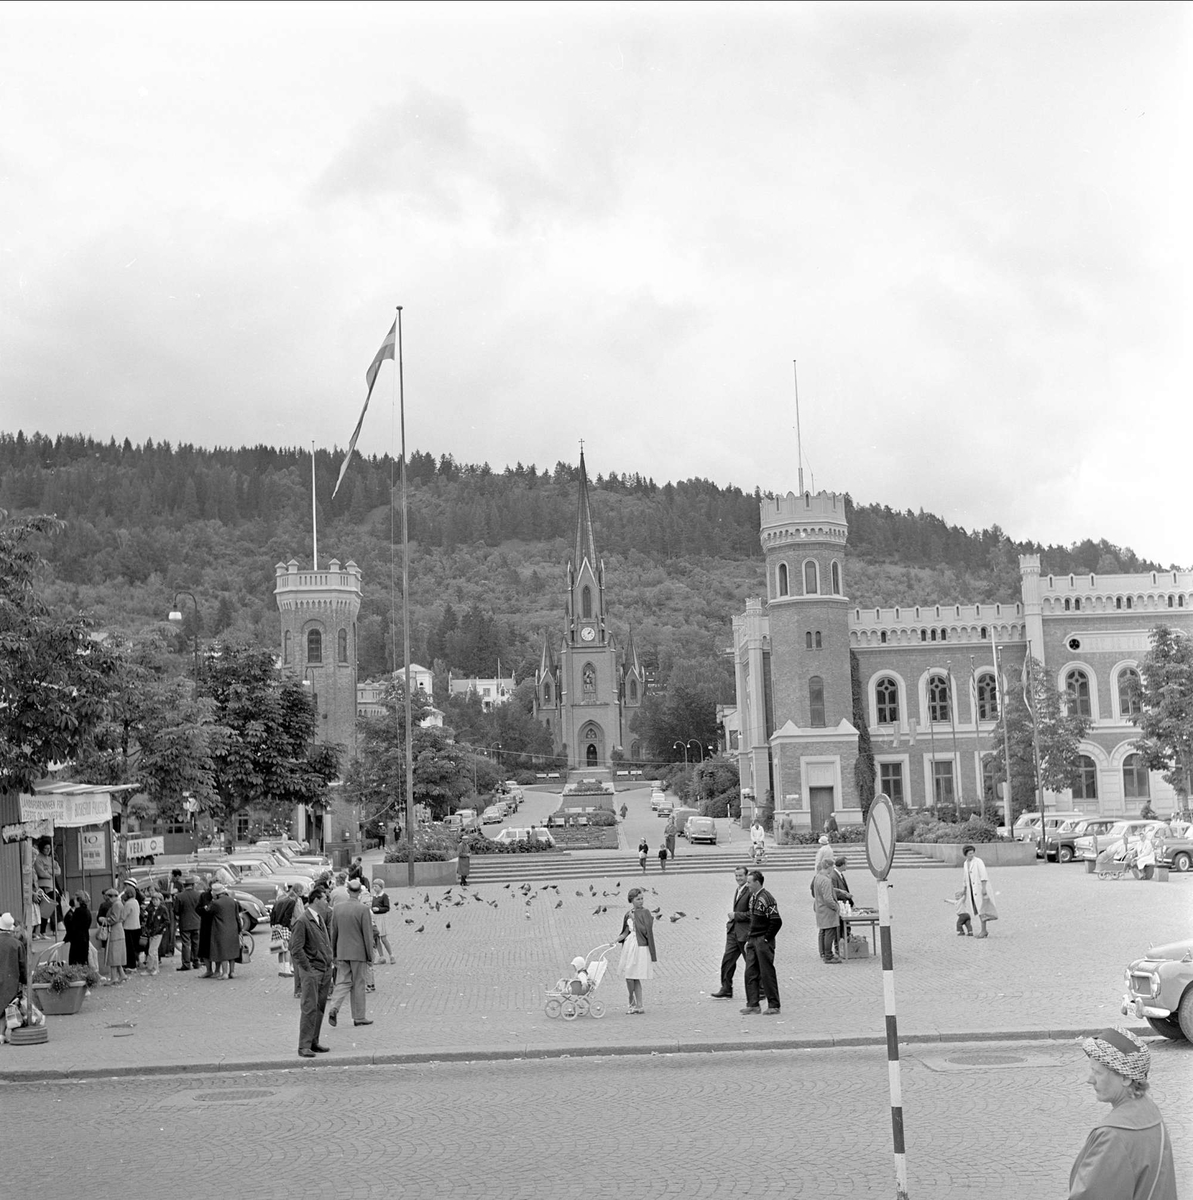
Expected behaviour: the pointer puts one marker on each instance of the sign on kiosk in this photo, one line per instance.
(93, 849)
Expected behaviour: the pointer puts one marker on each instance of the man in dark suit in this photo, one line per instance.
(310, 951)
(737, 929)
(186, 913)
(352, 949)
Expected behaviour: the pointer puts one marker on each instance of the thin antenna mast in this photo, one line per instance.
(799, 445)
(314, 517)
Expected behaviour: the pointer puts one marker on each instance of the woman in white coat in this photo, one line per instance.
(977, 898)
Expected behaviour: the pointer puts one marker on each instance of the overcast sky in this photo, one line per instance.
(969, 224)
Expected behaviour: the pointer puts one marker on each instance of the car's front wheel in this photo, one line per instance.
(1181, 861)
(1066, 854)
(1166, 1027)
(1185, 1013)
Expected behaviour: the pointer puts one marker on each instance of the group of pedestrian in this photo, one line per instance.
(752, 925)
(664, 853)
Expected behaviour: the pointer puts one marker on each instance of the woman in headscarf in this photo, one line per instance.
(637, 948)
(112, 921)
(1128, 1154)
(977, 899)
(225, 932)
(203, 908)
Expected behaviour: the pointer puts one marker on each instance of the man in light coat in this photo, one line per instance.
(352, 949)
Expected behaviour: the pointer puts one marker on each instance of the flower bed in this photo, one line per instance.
(428, 847)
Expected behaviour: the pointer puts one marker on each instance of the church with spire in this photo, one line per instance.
(588, 694)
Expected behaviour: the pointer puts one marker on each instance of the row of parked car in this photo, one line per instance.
(1073, 836)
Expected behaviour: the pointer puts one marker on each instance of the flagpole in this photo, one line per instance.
(406, 621)
(314, 517)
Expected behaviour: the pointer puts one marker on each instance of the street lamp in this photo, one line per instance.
(699, 748)
(683, 746)
(176, 615)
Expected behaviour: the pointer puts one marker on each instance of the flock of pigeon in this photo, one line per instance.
(458, 898)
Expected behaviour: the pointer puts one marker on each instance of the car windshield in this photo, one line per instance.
(1118, 829)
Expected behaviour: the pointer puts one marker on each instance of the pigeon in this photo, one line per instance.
(507, 887)
(436, 905)
(674, 918)
(596, 912)
(592, 889)
(579, 893)
(448, 925)
(427, 898)
(420, 929)
(492, 903)
(409, 920)
(527, 903)
(680, 913)
(476, 897)
(558, 903)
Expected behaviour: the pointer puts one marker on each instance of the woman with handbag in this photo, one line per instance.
(46, 873)
(978, 899)
(111, 936)
(637, 948)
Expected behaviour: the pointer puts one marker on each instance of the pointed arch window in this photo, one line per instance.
(886, 694)
(546, 693)
(342, 646)
(586, 601)
(782, 582)
(633, 691)
(314, 646)
(938, 699)
(836, 578)
(816, 702)
(589, 681)
(811, 587)
(987, 697)
(1077, 687)
(1128, 693)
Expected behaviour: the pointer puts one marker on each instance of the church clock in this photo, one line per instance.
(587, 634)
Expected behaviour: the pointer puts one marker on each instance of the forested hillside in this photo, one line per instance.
(488, 547)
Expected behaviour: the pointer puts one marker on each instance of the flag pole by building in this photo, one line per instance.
(406, 617)
(314, 517)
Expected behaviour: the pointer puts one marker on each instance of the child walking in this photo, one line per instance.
(643, 851)
(663, 857)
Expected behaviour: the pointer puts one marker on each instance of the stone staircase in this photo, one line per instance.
(553, 866)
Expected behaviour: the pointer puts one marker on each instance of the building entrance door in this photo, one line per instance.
(590, 756)
(820, 800)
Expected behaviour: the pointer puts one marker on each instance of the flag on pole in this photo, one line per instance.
(386, 351)
(1028, 687)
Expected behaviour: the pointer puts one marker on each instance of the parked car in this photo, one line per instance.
(1160, 990)
(493, 815)
(250, 905)
(1088, 846)
(1027, 826)
(524, 835)
(1059, 843)
(1174, 848)
(294, 856)
(702, 829)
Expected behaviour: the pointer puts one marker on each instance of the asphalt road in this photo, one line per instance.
(996, 1121)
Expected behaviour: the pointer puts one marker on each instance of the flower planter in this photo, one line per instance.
(426, 874)
(993, 854)
(59, 1004)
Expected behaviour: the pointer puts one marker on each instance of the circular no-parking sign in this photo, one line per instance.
(880, 836)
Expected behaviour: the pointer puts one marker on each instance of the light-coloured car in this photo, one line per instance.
(525, 835)
(1060, 843)
(1160, 990)
(1089, 846)
(701, 829)
(493, 815)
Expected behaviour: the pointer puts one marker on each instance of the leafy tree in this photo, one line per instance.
(1060, 734)
(54, 677)
(864, 769)
(1165, 719)
(267, 756)
(377, 778)
(685, 710)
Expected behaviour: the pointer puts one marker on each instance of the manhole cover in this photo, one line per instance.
(232, 1094)
(985, 1060)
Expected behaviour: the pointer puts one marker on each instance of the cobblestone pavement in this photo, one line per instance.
(1053, 962)
(1000, 1121)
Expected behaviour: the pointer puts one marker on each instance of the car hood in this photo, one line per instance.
(1171, 950)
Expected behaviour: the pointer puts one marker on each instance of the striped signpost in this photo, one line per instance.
(880, 853)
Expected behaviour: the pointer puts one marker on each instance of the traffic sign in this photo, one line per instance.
(880, 836)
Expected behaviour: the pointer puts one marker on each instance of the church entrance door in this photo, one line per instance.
(590, 756)
(821, 802)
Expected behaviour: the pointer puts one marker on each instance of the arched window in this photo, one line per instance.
(633, 691)
(546, 693)
(1135, 780)
(886, 693)
(286, 647)
(589, 682)
(1118, 602)
(342, 646)
(882, 637)
(818, 642)
(1068, 604)
(816, 702)
(836, 579)
(808, 640)
(314, 646)
(1077, 604)
(810, 585)
(944, 635)
(586, 601)
(987, 697)
(782, 585)
(983, 633)
(938, 699)
(1128, 693)
(1128, 601)
(933, 635)
(1077, 687)
(1085, 779)
(923, 635)
(1169, 601)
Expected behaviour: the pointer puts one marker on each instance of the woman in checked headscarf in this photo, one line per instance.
(1128, 1155)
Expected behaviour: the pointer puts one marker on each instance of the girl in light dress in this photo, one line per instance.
(637, 948)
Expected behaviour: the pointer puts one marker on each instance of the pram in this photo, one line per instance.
(1109, 866)
(572, 998)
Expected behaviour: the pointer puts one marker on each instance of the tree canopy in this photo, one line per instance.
(1165, 719)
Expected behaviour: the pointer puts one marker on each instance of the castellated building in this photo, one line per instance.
(925, 676)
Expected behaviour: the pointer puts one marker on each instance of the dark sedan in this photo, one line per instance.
(1061, 842)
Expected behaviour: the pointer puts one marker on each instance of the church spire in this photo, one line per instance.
(585, 542)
